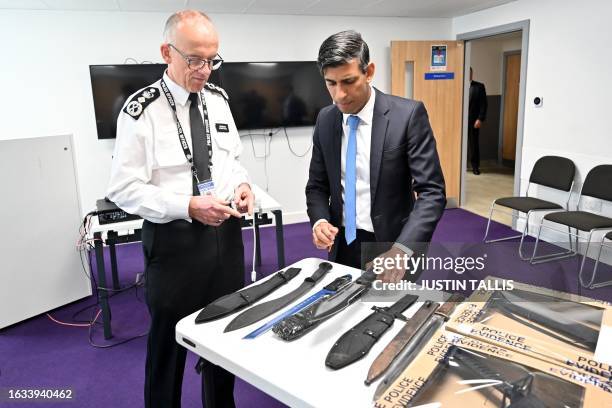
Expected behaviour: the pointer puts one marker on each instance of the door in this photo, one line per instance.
(512, 75)
(432, 72)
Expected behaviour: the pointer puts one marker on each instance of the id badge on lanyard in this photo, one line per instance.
(206, 187)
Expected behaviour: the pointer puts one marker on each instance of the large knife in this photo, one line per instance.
(328, 291)
(297, 325)
(265, 309)
(236, 301)
(412, 349)
(357, 342)
(531, 308)
(410, 334)
(344, 299)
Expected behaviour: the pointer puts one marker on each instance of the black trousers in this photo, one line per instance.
(350, 255)
(187, 265)
(474, 146)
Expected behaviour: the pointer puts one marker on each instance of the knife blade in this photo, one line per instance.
(236, 301)
(411, 333)
(408, 354)
(347, 297)
(265, 309)
(328, 291)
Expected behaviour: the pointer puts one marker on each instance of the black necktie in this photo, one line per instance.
(198, 142)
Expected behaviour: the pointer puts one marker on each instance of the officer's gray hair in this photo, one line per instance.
(174, 19)
(340, 48)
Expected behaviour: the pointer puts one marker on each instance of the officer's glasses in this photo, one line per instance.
(196, 63)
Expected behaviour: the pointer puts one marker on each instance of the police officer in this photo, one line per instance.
(176, 165)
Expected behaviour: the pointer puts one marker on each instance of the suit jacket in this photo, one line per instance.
(478, 102)
(403, 161)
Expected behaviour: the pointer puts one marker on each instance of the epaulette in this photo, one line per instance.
(140, 101)
(214, 88)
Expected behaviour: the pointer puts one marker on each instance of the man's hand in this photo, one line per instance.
(394, 274)
(244, 198)
(323, 235)
(210, 210)
(477, 124)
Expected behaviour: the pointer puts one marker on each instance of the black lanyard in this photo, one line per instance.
(181, 135)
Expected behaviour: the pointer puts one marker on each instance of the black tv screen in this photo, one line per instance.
(274, 94)
(262, 95)
(112, 84)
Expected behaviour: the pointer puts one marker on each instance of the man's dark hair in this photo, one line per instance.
(342, 47)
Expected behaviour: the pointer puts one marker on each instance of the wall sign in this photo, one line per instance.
(439, 75)
(438, 58)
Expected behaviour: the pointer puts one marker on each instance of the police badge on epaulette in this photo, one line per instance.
(140, 101)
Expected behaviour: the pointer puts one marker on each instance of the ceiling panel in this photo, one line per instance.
(23, 4)
(273, 6)
(365, 8)
(89, 5)
(218, 6)
(151, 5)
(401, 8)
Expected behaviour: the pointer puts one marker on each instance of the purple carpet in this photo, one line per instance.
(39, 353)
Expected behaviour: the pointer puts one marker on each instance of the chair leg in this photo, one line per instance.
(548, 257)
(535, 246)
(525, 231)
(489, 222)
(592, 284)
(489, 225)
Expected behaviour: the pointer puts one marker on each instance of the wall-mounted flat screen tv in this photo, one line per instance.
(274, 94)
(261, 95)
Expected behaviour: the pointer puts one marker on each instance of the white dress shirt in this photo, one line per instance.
(362, 163)
(150, 175)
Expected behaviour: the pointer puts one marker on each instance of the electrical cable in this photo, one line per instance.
(254, 272)
(84, 245)
(291, 148)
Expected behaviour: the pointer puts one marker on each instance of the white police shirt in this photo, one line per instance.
(150, 175)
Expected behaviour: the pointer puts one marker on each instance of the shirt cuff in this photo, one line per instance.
(178, 206)
(318, 222)
(404, 248)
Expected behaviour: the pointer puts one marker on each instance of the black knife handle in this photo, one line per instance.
(367, 277)
(338, 283)
(324, 268)
(289, 274)
(404, 303)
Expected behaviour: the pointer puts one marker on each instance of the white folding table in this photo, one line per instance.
(293, 372)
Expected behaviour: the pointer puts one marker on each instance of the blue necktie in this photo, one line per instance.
(350, 181)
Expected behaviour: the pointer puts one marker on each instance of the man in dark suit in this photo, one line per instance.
(477, 114)
(374, 175)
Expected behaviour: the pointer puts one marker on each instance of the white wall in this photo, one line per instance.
(47, 91)
(568, 65)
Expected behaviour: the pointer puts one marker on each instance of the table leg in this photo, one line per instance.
(280, 239)
(113, 258)
(102, 294)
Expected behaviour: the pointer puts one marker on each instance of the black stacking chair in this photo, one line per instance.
(598, 185)
(549, 171)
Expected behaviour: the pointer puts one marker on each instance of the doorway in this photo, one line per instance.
(490, 166)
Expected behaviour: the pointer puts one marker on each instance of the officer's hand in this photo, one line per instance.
(477, 124)
(210, 210)
(323, 235)
(244, 198)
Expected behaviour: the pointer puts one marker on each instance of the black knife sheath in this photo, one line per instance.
(236, 301)
(357, 342)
